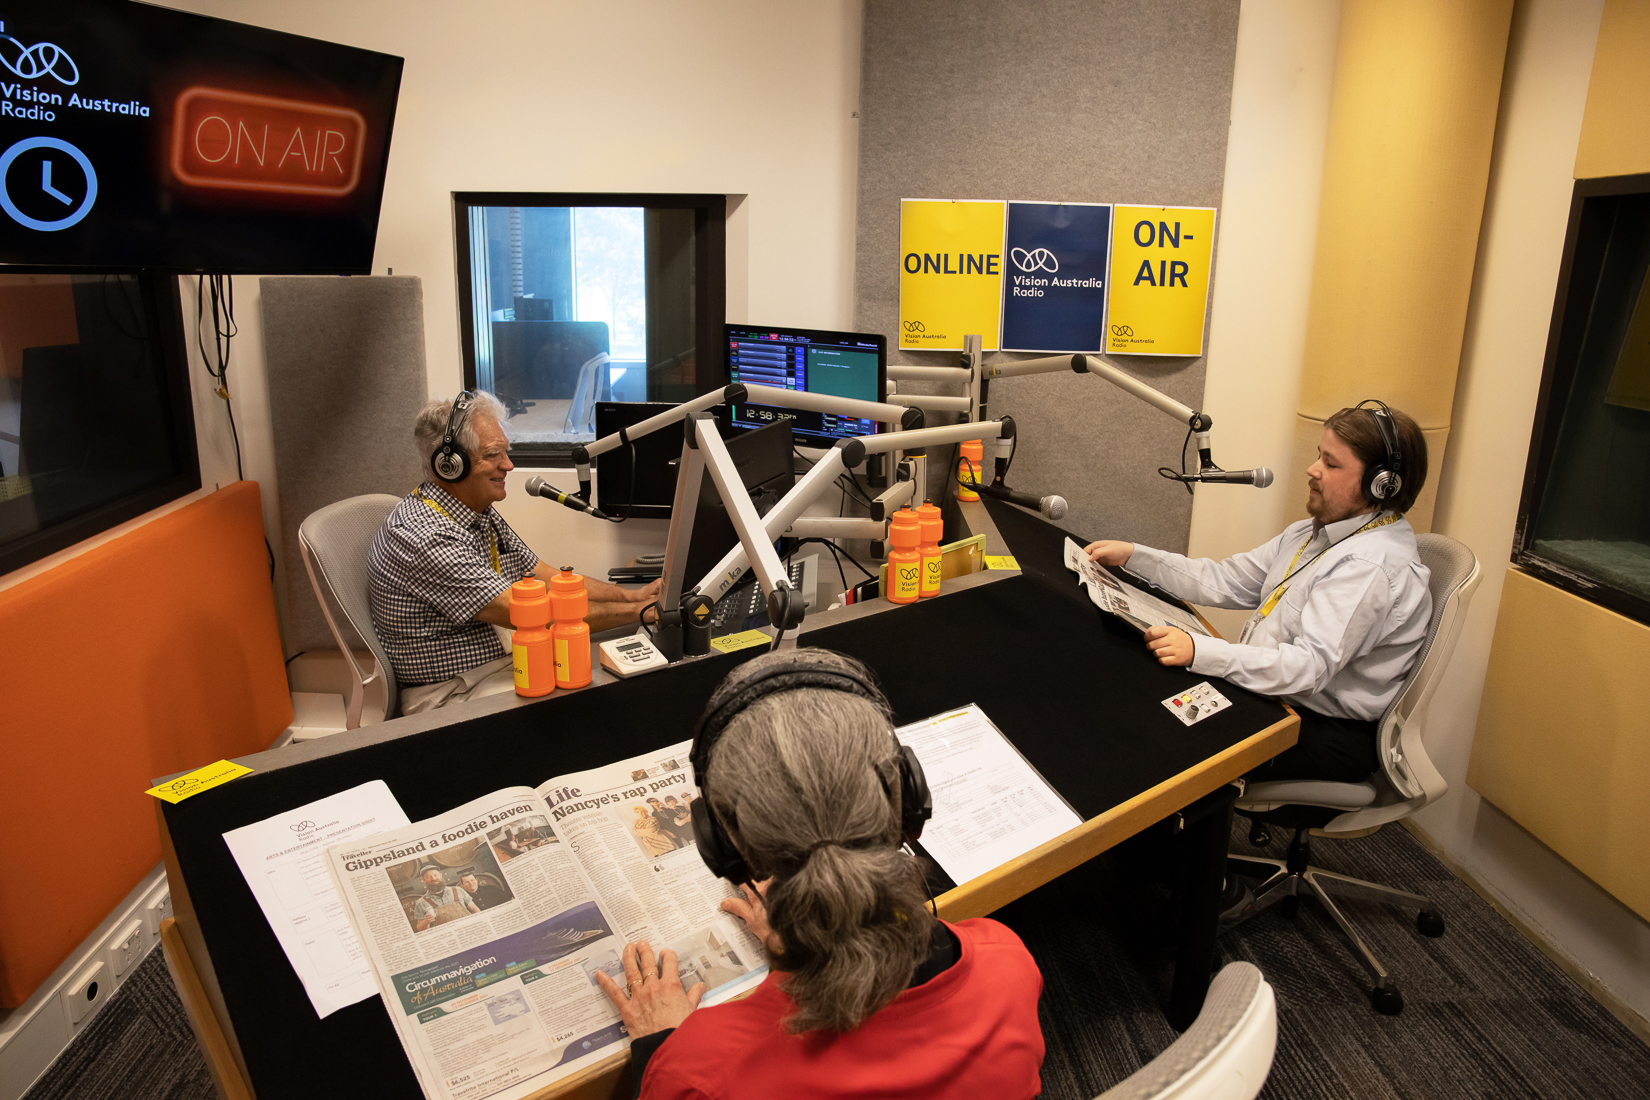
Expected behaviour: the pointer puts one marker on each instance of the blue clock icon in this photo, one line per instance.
(46, 194)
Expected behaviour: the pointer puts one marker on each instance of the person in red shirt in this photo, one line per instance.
(869, 993)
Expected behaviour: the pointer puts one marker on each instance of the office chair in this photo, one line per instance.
(1406, 782)
(334, 542)
(1225, 1054)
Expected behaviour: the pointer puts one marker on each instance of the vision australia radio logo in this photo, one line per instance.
(1033, 262)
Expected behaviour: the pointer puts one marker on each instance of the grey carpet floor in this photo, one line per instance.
(1486, 1014)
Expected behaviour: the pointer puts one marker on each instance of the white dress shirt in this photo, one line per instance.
(1346, 629)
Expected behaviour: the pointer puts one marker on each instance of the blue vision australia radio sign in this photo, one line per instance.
(1054, 286)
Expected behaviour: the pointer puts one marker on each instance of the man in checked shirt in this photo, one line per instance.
(1341, 601)
(442, 565)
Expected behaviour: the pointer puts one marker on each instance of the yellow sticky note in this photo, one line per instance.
(1001, 561)
(950, 276)
(732, 643)
(201, 779)
(1160, 260)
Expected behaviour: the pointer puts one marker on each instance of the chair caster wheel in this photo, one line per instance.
(1387, 1000)
(1429, 923)
(1259, 835)
(1290, 906)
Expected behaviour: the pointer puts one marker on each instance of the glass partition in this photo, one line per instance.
(567, 300)
(1584, 522)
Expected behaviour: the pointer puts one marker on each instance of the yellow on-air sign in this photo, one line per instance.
(951, 273)
(1160, 258)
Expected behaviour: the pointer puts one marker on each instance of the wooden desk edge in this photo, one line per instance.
(1020, 876)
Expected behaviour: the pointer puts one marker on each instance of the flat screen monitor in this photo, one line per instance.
(134, 136)
(767, 469)
(840, 364)
(647, 488)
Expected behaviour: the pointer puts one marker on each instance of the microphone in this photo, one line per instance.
(541, 488)
(1260, 477)
(1052, 507)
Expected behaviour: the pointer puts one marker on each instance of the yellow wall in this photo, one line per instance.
(1615, 132)
(1412, 124)
(1563, 743)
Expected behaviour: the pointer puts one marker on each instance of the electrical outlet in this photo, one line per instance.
(156, 909)
(87, 993)
(128, 946)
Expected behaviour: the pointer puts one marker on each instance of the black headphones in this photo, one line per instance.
(716, 848)
(1384, 480)
(451, 462)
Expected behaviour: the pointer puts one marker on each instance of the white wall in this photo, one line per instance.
(1543, 95)
(733, 97)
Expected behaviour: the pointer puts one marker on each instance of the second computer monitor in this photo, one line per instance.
(839, 364)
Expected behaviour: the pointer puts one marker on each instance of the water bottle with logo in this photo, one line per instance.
(932, 526)
(970, 468)
(530, 646)
(571, 633)
(904, 560)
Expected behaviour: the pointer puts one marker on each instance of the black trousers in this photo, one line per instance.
(1341, 750)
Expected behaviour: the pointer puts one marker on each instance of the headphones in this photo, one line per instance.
(716, 848)
(1384, 480)
(451, 462)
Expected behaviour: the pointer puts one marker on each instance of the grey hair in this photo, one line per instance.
(430, 426)
(807, 783)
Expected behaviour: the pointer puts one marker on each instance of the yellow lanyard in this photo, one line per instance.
(1277, 593)
(492, 536)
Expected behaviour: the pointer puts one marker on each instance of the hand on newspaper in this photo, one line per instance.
(754, 912)
(1170, 645)
(652, 999)
(1110, 552)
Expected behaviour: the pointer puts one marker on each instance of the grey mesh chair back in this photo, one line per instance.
(1225, 1054)
(335, 541)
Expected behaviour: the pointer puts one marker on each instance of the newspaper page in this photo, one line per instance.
(1139, 609)
(486, 925)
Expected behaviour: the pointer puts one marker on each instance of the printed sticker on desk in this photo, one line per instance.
(1193, 706)
(731, 643)
(201, 779)
(1001, 561)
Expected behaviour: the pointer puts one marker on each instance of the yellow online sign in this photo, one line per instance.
(1160, 259)
(201, 779)
(951, 273)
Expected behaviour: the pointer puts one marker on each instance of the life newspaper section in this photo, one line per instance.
(1139, 609)
(486, 926)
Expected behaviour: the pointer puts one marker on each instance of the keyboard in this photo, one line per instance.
(743, 607)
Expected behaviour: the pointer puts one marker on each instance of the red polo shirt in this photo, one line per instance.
(970, 1031)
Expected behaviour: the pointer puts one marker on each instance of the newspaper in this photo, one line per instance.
(1139, 609)
(485, 926)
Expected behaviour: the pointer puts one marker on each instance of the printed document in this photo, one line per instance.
(990, 804)
(1138, 608)
(284, 861)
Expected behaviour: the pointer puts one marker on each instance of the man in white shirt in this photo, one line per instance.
(1341, 601)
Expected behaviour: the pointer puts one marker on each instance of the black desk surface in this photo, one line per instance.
(1075, 691)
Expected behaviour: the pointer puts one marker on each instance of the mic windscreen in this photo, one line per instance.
(1263, 477)
(1054, 507)
(534, 484)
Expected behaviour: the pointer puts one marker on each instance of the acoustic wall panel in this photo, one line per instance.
(1060, 100)
(346, 377)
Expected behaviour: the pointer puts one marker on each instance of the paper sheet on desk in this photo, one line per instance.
(990, 805)
(283, 860)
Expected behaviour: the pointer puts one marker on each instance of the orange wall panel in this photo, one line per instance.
(155, 653)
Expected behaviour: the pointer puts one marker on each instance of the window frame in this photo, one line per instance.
(710, 284)
(1585, 245)
(163, 299)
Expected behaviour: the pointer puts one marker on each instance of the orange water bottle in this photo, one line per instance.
(971, 467)
(571, 633)
(904, 562)
(530, 647)
(932, 526)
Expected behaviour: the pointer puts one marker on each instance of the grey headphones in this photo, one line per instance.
(451, 462)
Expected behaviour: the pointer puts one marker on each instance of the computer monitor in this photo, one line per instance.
(766, 467)
(842, 364)
(649, 488)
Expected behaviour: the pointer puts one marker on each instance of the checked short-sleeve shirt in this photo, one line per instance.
(429, 572)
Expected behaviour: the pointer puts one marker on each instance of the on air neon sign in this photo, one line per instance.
(260, 143)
